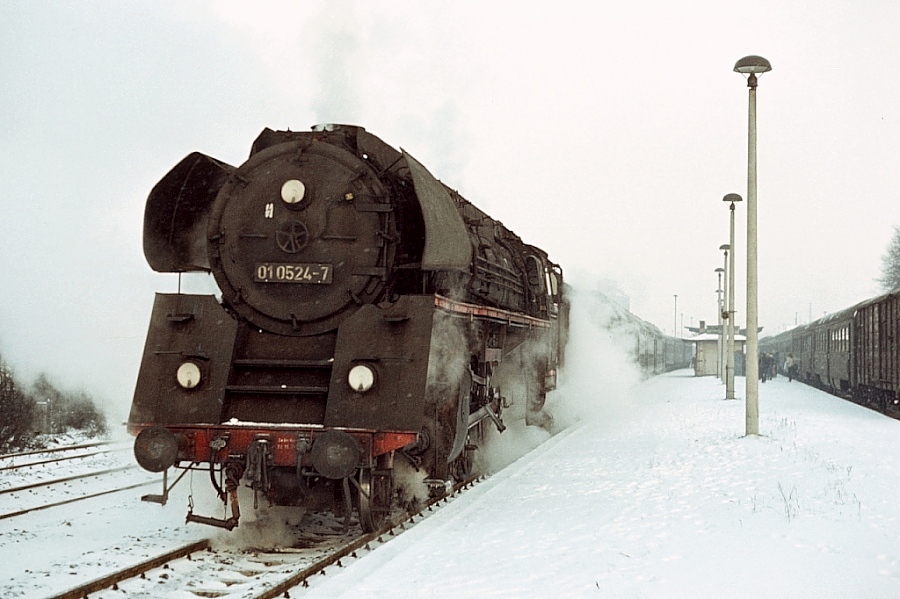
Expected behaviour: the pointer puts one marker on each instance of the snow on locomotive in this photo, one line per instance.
(368, 313)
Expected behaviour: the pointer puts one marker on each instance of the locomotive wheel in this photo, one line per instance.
(375, 490)
(461, 468)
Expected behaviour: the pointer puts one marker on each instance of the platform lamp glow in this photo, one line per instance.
(723, 314)
(751, 66)
(729, 359)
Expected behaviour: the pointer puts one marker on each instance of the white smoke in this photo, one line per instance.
(595, 381)
(410, 489)
(599, 371)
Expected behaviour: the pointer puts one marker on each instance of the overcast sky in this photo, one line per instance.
(606, 133)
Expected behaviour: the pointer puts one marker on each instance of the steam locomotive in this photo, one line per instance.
(368, 313)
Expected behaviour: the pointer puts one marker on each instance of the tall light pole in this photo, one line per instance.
(752, 66)
(719, 370)
(729, 366)
(675, 324)
(724, 314)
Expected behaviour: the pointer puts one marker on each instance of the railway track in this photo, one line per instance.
(46, 506)
(138, 570)
(58, 481)
(7, 461)
(54, 449)
(206, 571)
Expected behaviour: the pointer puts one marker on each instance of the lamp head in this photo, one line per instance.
(725, 247)
(732, 197)
(752, 65)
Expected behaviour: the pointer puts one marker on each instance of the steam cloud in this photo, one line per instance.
(595, 381)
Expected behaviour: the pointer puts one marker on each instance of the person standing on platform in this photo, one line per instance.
(790, 367)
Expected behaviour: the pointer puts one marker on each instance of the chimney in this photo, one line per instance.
(702, 326)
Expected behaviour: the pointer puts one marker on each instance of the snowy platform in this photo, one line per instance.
(659, 494)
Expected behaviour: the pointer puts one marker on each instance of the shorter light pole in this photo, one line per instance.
(729, 359)
(723, 312)
(719, 272)
(675, 324)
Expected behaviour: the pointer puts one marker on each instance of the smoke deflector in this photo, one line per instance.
(447, 245)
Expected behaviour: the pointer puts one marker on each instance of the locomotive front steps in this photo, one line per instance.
(289, 389)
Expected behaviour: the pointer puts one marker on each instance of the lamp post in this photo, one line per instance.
(752, 66)
(675, 324)
(724, 314)
(729, 360)
(719, 272)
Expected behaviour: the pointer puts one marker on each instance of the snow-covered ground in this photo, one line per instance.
(649, 489)
(657, 495)
(664, 497)
(47, 552)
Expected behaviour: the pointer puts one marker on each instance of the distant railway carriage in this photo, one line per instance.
(652, 351)
(853, 352)
(876, 368)
(656, 353)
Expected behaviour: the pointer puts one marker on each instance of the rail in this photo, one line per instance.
(110, 580)
(350, 549)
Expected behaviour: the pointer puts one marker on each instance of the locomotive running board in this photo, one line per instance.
(162, 499)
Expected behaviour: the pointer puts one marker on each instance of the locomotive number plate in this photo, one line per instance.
(269, 272)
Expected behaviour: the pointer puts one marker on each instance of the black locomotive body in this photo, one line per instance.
(854, 353)
(368, 313)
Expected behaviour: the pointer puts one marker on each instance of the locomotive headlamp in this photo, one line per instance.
(188, 375)
(361, 378)
(293, 191)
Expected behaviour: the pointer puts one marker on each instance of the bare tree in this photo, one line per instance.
(890, 263)
(66, 410)
(53, 403)
(16, 412)
(84, 415)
